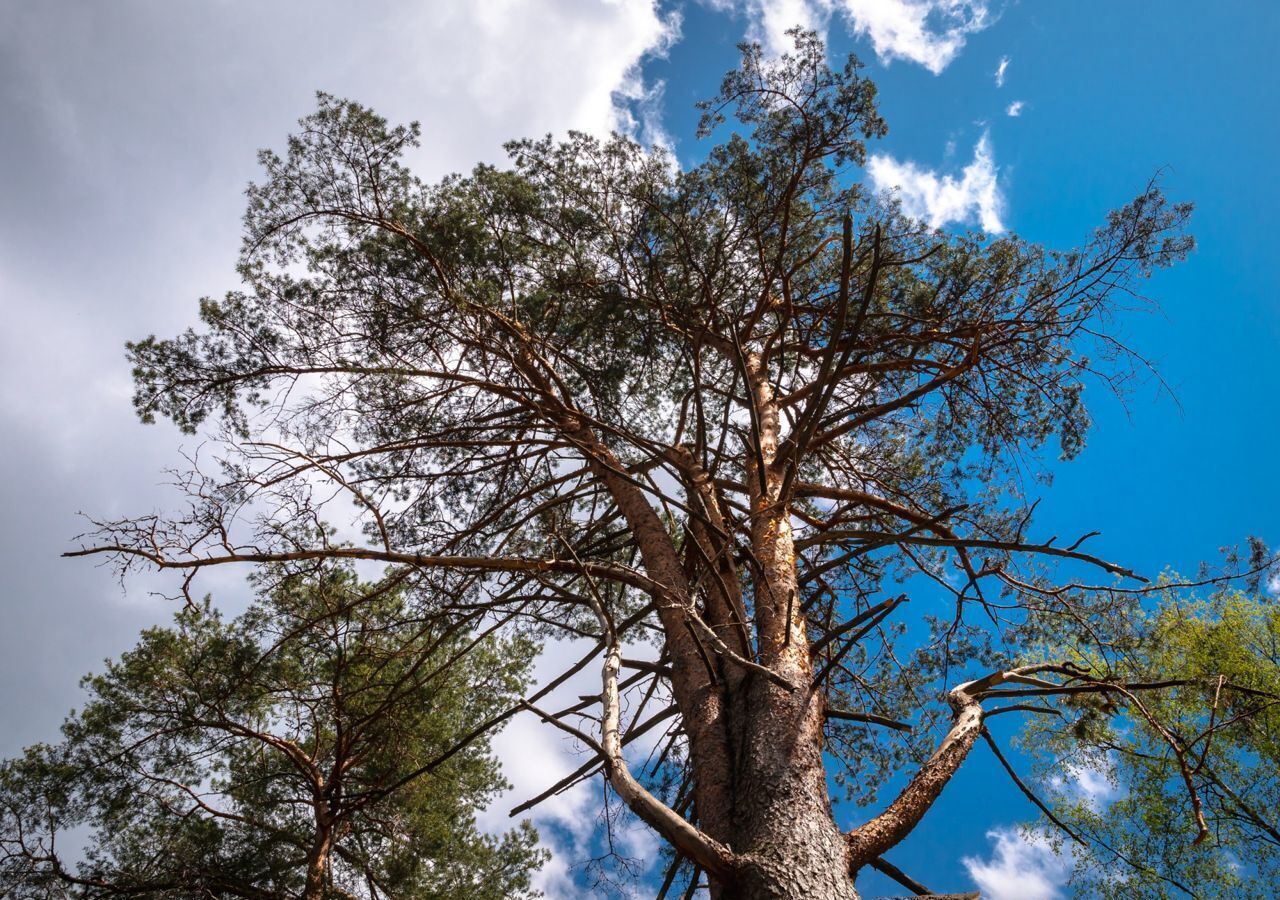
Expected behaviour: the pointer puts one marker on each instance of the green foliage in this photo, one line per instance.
(211, 758)
(1221, 712)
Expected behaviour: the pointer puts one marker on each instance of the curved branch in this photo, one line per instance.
(704, 850)
(873, 839)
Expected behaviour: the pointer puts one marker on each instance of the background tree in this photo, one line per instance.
(1189, 772)
(307, 748)
(742, 407)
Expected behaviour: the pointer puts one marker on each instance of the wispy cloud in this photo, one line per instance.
(1015, 108)
(1000, 70)
(1091, 780)
(929, 33)
(639, 111)
(942, 199)
(1022, 866)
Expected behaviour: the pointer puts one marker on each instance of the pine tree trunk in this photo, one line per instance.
(318, 865)
(760, 785)
(782, 811)
(783, 818)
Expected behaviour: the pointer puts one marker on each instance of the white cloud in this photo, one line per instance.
(1000, 70)
(1091, 780)
(214, 76)
(1095, 787)
(927, 32)
(770, 20)
(943, 199)
(639, 114)
(544, 66)
(1015, 108)
(1023, 866)
(637, 840)
(535, 756)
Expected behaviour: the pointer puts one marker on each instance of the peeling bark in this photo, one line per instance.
(877, 836)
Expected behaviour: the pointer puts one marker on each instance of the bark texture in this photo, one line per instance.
(784, 831)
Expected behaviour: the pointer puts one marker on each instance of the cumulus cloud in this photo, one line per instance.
(1000, 70)
(929, 33)
(544, 66)
(770, 20)
(1015, 108)
(1022, 866)
(942, 199)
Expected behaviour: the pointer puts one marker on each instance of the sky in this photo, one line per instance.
(128, 131)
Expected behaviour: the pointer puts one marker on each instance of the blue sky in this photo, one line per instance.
(129, 131)
(1109, 95)
(1067, 110)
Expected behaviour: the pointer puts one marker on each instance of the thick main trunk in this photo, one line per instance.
(782, 812)
(784, 830)
(318, 864)
(755, 746)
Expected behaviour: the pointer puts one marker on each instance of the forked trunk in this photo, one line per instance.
(782, 812)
